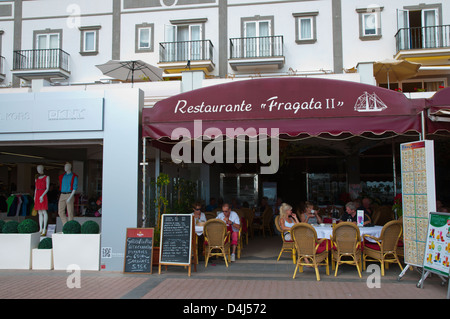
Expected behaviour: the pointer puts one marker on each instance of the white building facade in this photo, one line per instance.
(221, 38)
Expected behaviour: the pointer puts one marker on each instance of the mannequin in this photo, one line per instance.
(42, 184)
(68, 184)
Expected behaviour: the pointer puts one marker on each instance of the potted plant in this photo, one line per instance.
(42, 256)
(16, 243)
(161, 203)
(397, 207)
(77, 244)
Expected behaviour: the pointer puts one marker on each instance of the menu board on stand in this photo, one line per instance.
(177, 240)
(437, 249)
(418, 198)
(138, 250)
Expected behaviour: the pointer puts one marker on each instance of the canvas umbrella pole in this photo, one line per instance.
(389, 85)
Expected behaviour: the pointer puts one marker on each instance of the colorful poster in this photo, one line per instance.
(437, 248)
(418, 197)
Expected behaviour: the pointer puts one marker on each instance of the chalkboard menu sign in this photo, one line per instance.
(138, 250)
(176, 239)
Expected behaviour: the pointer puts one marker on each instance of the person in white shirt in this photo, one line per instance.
(199, 216)
(232, 220)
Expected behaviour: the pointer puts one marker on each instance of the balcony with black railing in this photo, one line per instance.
(257, 52)
(434, 37)
(41, 64)
(177, 56)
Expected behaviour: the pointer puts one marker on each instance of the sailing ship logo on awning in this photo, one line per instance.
(369, 103)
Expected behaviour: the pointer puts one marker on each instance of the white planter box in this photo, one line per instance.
(15, 250)
(82, 250)
(42, 259)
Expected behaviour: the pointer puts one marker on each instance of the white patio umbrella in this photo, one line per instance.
(125, 70)
(394, 70)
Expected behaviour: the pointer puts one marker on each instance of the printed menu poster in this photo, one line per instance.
(418, 197)
(437, 253)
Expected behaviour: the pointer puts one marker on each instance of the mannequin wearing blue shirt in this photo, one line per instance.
(68, 186)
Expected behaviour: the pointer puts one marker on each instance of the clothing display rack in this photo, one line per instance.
(19, 204)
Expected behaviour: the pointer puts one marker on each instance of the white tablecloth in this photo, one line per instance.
(326, 231)
(199, 230)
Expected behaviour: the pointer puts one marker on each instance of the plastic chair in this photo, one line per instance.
(384, 249)
(346, 243)
(216, 238)
(288, 246)
(308, 247)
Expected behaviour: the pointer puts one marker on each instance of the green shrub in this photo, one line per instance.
(90, 227)
(28, 226)
(46, 243)
(10, 227)
(2, 223)
(72, 227)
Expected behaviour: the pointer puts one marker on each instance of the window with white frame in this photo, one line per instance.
(305, 27)
(89, 40)
(144, 37)
(369, 23)
(185, 40)
(370, 26)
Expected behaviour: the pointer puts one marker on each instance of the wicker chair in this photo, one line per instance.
(247, 214)
(384, 249)
(385, 214)
(346, 243)
(210, 215)
(400, 246)
(266, 222)
(288, 246)
(308, 247)
(216, 238)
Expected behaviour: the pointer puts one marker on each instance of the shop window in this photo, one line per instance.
(89, 40)
(305, 27)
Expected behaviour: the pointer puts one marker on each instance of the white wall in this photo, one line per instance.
(121, 171)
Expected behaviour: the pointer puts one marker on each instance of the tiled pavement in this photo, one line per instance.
(257, 275)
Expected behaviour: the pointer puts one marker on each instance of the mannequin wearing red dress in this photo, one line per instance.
(42, 184)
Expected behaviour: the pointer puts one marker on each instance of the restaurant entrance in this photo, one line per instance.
(321, 140)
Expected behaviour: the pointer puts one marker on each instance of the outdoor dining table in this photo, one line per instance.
(199, 230)
(326, 230)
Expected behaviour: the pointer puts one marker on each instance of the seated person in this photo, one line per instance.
(287, 220)
(310, 215)
(199, 216)
(351, 215)
(212, 205)
(364, 205)
(232, 220)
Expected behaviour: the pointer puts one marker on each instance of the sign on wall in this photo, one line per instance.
(51, 115)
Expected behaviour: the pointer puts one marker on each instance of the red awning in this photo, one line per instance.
(282, 106)
(439, 111)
